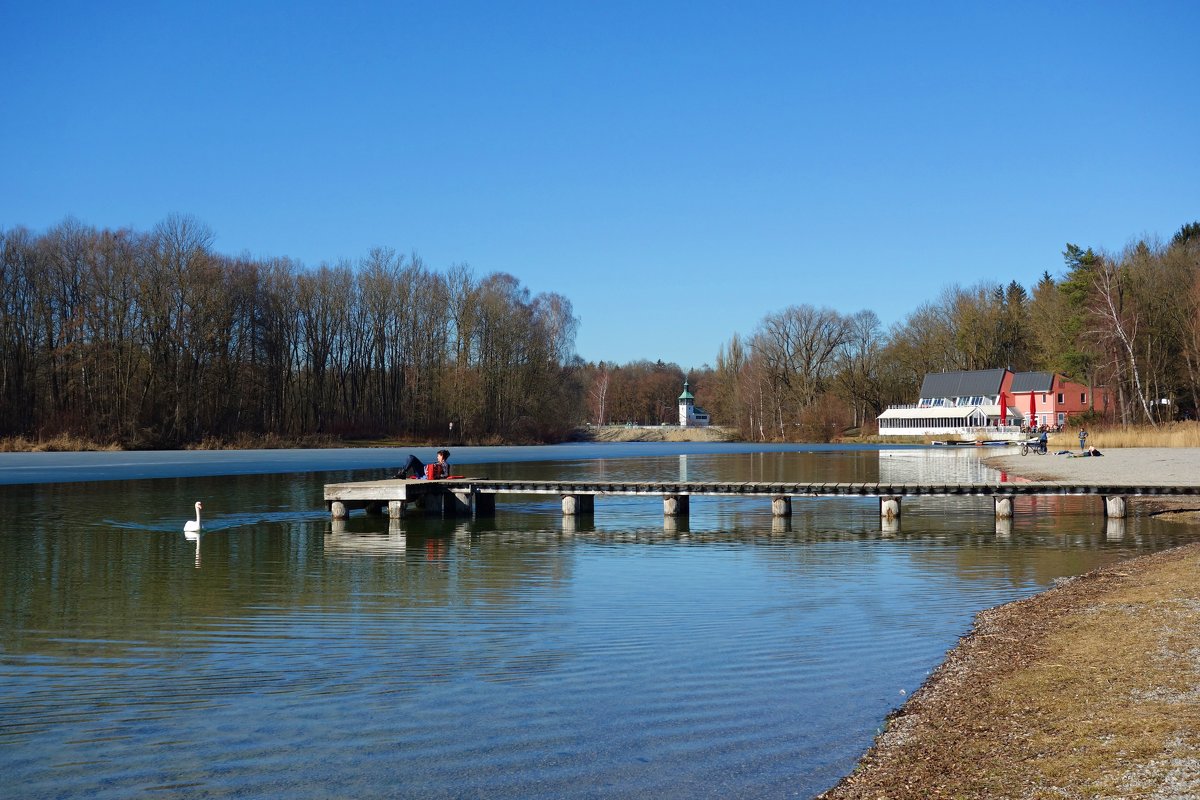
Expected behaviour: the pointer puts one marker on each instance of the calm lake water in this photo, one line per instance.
(528, 655)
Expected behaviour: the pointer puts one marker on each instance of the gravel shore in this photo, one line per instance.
(1086, 690)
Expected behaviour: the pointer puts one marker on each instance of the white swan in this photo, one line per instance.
(193, 525)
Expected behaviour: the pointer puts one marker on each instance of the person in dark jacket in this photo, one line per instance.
(413, 468)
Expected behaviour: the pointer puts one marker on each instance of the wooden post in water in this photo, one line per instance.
(454, 504)
(457, 503)
(1114, 507)
(1004, 506)
(395, 509)
(485, 504)
(675, 505)
(781, 506)
(337, 510)
(889, 507)
(573, 504)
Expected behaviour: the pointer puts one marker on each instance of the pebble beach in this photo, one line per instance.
(1086, 690)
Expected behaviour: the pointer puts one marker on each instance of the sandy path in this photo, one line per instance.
(1146, 466)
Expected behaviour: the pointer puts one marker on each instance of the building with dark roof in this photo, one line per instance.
(990, 404)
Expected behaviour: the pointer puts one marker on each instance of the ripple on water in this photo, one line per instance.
(728, 655)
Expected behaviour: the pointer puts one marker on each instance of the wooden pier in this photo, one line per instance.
(472, 496)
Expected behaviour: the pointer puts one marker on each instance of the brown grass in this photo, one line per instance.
(1173, 434)
(265, 441)
(62, 443)
(1085, 691)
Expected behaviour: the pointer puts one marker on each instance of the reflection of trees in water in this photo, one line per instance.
(824, 464)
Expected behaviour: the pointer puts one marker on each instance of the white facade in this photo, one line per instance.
(961, 405)
(966, 421)
(691, 415)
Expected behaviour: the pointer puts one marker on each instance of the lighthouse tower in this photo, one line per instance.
(690, 415)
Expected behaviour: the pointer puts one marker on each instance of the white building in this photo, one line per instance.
(974, 404)
(690, 414)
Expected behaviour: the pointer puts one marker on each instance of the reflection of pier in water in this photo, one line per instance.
(339, 541)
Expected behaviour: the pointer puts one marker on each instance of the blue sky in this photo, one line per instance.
(677, 170)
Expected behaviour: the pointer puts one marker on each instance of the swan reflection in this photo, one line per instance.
(194, 536)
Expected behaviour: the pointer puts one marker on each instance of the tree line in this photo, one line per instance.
(1127, 321)
(152, 339)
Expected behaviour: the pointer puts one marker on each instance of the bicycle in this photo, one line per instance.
(1035, 446)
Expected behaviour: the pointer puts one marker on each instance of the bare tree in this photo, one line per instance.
(598, 394)
(1117, 322)
(797, 347)
(858, 366)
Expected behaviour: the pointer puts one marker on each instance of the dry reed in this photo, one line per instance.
(62, 443)
(1171, 434)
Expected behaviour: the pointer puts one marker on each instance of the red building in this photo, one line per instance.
(1045, 398)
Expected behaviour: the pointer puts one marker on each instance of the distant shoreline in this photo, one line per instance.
(590, 433)
(655, 433)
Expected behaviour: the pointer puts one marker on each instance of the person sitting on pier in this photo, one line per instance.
(413, 468)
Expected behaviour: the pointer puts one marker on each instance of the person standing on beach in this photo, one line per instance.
(1082, 439)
